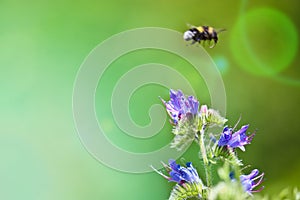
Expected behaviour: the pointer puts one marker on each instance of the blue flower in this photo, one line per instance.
(249, 181)
(237, 139)
(181, 174)
(179, 105)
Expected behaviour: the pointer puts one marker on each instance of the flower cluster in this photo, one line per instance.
(188, 181)
(180, 174)
(191, 122)
(236, 139)
(179, 106)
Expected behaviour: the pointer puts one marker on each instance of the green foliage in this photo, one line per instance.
(213, 118)
(186, 191)
(185, 132)
(286, 194)
(222, 153)
(227, 191)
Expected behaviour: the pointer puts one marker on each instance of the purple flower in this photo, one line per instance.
(249, 181)
(237, 139)
(181, 174)
(179, 106)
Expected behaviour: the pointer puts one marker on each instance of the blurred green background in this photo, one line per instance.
(43, 43)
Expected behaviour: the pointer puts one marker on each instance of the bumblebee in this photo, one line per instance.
(202, 33)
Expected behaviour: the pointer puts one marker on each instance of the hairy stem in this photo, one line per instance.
(207, 167)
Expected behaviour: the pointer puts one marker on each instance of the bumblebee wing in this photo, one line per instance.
(220, 30)
(190, 25)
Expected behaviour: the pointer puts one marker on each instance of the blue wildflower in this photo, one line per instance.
(181, 174)
(179, 105)
(237, 139)
(248, 181)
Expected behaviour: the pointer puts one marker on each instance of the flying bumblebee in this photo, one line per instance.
(202, 33)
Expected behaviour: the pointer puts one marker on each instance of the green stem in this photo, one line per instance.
(207, 167)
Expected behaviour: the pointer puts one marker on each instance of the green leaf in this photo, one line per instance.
(187, 191)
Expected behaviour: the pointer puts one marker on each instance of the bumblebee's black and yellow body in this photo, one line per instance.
(202, 33)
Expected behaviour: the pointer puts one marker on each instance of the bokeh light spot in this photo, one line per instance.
(222, 63)
(264, 41)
